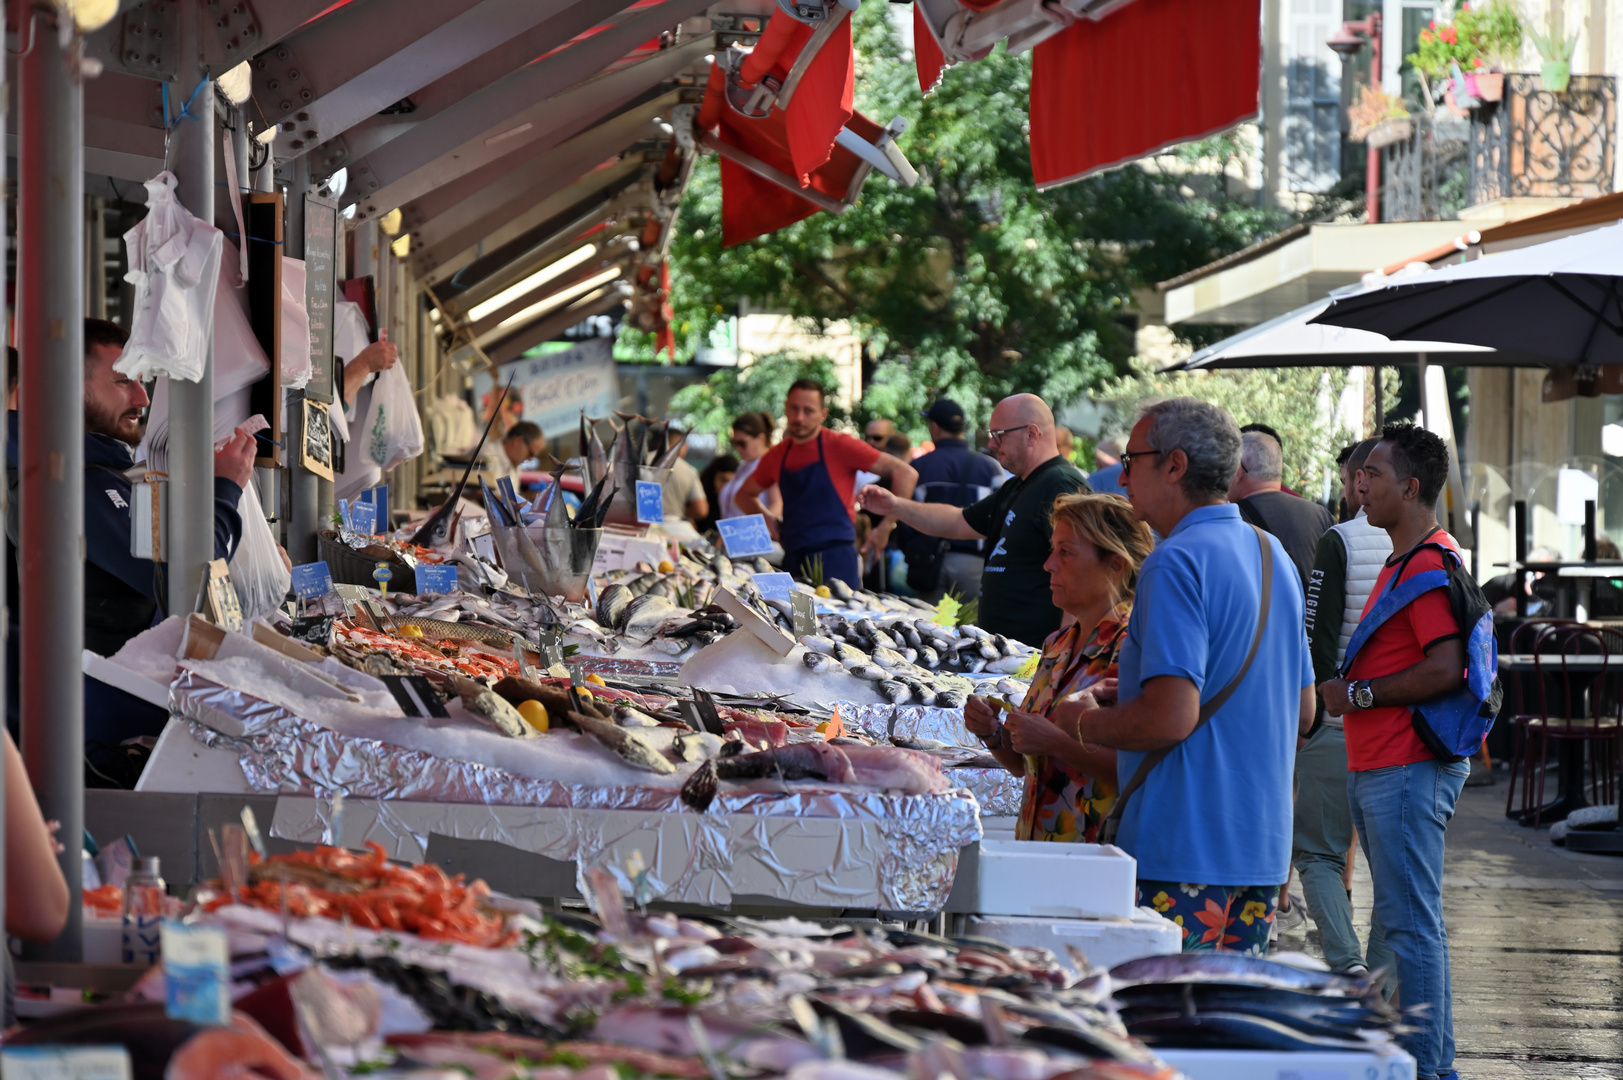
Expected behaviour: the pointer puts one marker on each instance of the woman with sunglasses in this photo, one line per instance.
(752, 438)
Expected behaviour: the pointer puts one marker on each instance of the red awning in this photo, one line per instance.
(1151, 74)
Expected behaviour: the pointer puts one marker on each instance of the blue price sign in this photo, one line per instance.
(379, 498)
(774, 586)
(436, 579)
(312, 580)
(744, 536)
(365, 517)
(343, 512)
(650, 503)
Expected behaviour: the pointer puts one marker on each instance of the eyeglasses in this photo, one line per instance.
(877, 438)
(1127, 457)
(996, 434)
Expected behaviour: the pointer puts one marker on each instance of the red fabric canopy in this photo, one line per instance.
(798, 143)
(927, 52)
(1151, 74)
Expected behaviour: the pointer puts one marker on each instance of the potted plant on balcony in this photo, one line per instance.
(1441, 49)
(1378, 118)
(1555, 50)
(1496, 30)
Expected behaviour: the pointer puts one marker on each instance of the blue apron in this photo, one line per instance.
(816, 522)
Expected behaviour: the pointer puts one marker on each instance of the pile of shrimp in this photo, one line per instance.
(376, 894)
(483, 666)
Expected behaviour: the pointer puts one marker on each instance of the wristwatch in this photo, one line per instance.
(1360, 694)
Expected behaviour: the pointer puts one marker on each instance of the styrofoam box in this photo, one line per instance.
(1070, 881)
(103, 939)
(1393, 1064)
(1105, 942)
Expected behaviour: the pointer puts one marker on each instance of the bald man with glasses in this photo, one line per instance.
(1015, 600)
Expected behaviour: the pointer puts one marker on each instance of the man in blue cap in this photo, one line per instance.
(954, 474)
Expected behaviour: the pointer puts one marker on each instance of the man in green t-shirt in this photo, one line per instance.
(1015, 600)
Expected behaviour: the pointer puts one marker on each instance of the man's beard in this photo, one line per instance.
(106, 422)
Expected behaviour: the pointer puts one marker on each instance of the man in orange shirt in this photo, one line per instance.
(1401, 796)
(816, 470)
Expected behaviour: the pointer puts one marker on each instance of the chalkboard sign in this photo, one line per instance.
(320, 287)
(313, 629)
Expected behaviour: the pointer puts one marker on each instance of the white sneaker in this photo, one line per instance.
(1293, 918)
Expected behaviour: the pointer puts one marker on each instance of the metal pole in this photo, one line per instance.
(191, 405)
(96, 256)
(51, 280)
(264, 177)
(303, 486)
(1380, 403)
(5, 510)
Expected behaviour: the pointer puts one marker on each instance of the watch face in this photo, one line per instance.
(1364, 697)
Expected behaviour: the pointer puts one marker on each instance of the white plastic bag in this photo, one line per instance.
(296, 368)
(392, 431)
(260, 576)
(175, 267)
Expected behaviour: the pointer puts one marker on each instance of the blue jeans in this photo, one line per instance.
(1402, 813)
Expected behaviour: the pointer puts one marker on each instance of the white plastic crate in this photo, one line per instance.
(1392, 1064)
(1105, 942)
(1033, 878)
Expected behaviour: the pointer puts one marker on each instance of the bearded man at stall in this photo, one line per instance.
(1215, 685)
(124, 595)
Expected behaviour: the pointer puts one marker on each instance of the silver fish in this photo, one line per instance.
(1006, 665)
(611, 605)
(626, 742)
(1010, 687)
(950, 699)
(499, 714)
(818, 662)
(817, 643)
(895, 692)
(848, 655)
(840, 589)
(885, 641)
(929, 657)
(888, 659)
(672, 646)
(871, 672)
(626, 716)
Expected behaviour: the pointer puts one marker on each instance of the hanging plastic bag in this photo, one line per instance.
(260, 576)
(296, 367)
(392, 431)
(175, 267)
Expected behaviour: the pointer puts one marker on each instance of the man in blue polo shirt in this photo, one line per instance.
(1211, 824)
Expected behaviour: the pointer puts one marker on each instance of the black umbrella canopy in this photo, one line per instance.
(1562, 300)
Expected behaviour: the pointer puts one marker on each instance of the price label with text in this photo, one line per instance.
(436, 579)
(774, 586)
(365, 517)
(312, 580)
(745, 536)
(650, 503)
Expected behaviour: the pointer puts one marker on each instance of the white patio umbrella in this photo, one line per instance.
(1562, 301)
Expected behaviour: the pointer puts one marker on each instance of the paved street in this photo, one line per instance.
(1537, 940)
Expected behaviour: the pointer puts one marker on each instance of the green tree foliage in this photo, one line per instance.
(1299, 403)
(761, 387)
(972, 284)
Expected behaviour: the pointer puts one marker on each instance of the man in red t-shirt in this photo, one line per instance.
(1401, 797)
(816, 470)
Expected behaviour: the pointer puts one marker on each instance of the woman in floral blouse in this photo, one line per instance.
(1098, 546)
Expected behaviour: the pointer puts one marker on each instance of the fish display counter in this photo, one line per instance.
(352, 964)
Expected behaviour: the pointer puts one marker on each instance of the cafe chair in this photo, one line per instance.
(1580, 693)
(1533, 636)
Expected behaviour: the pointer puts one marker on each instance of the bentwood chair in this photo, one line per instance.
(1533, 636)
(1580, 696)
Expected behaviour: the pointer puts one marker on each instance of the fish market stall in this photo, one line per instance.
(361, 964)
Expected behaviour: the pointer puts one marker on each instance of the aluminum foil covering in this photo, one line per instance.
(998, 791)
(839, 848)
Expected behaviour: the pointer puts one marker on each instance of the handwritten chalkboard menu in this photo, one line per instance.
(320, 289)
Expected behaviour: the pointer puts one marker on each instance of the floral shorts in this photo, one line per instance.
(1215, 918)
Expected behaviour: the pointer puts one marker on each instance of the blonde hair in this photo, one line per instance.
(1107, 522)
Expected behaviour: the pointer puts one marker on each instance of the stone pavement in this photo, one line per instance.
(1536, 938)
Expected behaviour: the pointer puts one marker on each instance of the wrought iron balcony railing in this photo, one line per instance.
(1541, 144)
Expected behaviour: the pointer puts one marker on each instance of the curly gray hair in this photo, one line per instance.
(1207, 435)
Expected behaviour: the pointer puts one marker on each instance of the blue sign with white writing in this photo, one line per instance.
(744, 536)
(343, 514)
(378, 497)
(311, 580)
(774, 586)
(436, 579)
(365, 517)
(650, 503)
